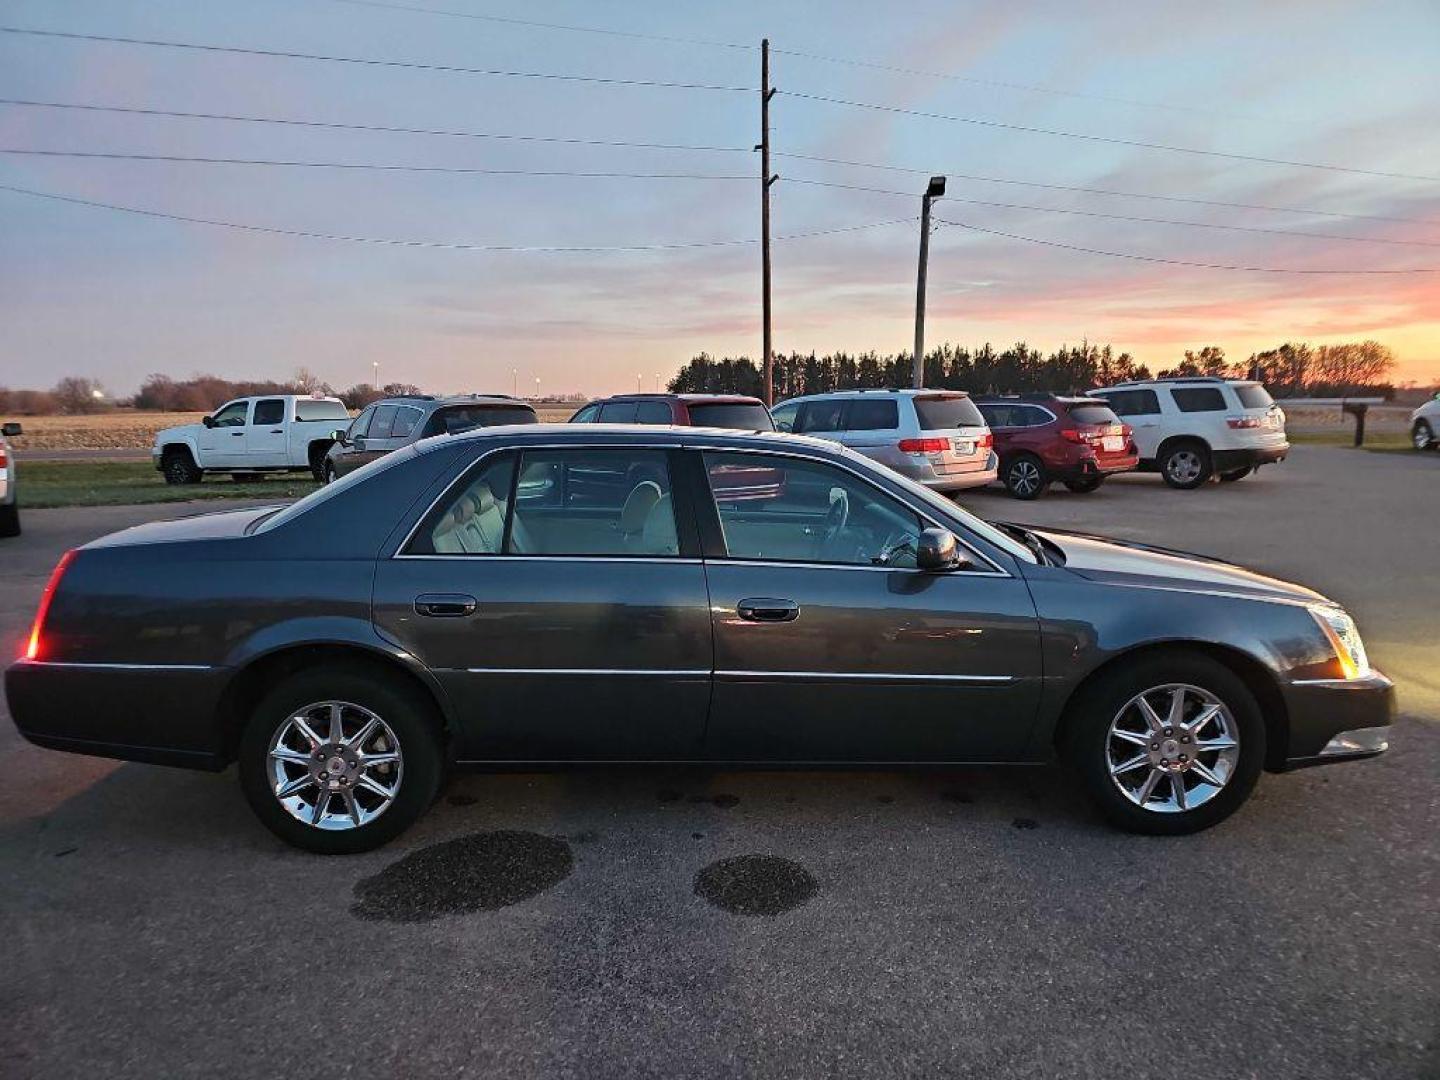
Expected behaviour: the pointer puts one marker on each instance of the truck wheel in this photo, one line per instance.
(179, 467)
(1186, 465)
(10, 520)
(1024, 477)
(1085, 484)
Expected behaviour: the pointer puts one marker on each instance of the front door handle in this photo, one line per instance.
(445, 605)
(767, 610)
(237, 434)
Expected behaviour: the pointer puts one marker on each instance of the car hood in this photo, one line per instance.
(176, 433)
(207, 526)
(1128, 562)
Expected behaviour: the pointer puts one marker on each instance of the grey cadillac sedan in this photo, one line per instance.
(543, 595)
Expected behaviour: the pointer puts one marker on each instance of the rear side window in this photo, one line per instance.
(1199, 399)
(270, 411)
(943, 413)
(1093, 414)
(321, 410)
(820, 416)
(405, 420)
(1134, 402)
(739, 416)
(998, 416)
(470, 520)
(458, 418)
(1254, 397)
(593, 502)
(617, 412)
(881, 414)
(383, 422)
(653, 412)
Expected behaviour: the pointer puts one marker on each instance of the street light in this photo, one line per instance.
(932, 192)
(514, 382)
(376, 365)
(537, 387)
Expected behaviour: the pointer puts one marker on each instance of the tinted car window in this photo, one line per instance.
(784, 416)
(1199, 399)
(942, 413)
(270, 411)
(1254, 397)
(1133, 402)
(741, 416)
(232, 415)
(593, 502)
(881, 414)
(998, 416)
(457, 418)
(470, 519)
(617, 412)
(361, 426)
(1093, 414)
(382, 422)
(586, 415)
(653, 412)
(405, 420)
(820, 416)
(808, 511)
(321, 410)
(1032, 416)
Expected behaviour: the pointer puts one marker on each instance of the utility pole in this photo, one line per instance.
(934, 191)
(765, 181)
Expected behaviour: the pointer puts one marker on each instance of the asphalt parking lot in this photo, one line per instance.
(699, 923)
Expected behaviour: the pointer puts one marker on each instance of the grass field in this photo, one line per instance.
(1382, 441)
(115, 483)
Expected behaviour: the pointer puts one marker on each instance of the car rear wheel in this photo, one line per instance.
(1422, 437)
(10, 520)
(1083, 485)
(1170, 744)
(339, 760)
(179, 467)
(1186, 465)
(1235, 474)
(1024, 477)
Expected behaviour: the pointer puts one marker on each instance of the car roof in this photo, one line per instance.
(631, 434)
(881, 391)
(689, 399)
(429, 401)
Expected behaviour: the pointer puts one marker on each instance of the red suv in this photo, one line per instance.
(685, 410)
(1041, 438)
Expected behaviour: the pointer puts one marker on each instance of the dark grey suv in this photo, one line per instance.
(391, 423)
(584, 593)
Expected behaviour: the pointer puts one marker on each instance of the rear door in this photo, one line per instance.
(564, 627)
(1140, 408)
(268, 441)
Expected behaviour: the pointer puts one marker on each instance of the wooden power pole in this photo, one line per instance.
(765, 181)
(933, 192)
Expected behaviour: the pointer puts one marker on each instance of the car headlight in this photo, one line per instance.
(1344, 637)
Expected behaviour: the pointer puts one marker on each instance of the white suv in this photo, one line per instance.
(1425, 425)
(935, 437)
(1189, 429)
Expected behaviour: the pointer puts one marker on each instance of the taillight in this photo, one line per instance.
(986, 441)
(1241, 422)
(1071, 435)
(3, 459)
(924, 446)
(32, 648)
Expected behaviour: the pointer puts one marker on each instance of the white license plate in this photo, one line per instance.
(1272, 422)
(963, 446)
(1112, 443)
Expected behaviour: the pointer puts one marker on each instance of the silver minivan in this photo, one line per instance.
(935, 437)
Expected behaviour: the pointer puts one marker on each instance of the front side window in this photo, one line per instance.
(587, 415)
(1199, 399)
(593, 502)
(361, 426)
(232, 415)
(270, 411)
(405, 420)
(383, 422)
(784, 416)
(1134, 402)
(876, 414)
(791, 510)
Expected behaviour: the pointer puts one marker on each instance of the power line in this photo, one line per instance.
(382, 128)
(1128, 217)
(581, 174)
(452, 69)
(1107, 139)
(438, 244)
(954, 175)
(1175, 262)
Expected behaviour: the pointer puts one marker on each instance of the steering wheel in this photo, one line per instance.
(834, 521)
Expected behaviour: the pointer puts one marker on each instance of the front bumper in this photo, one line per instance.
(1337, 720)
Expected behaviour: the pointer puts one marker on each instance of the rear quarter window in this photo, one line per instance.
(942, 413)
(1199, 399)
(320, 410)
(1254, 397)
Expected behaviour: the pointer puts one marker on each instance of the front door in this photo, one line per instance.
(222, 444)
(831, 646)
(565, 624)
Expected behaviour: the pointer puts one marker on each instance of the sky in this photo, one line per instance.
(115, 296)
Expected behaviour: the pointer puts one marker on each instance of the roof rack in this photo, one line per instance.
(1176, 378)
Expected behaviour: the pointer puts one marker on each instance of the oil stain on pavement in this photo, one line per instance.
(755, 885)
(481, 872)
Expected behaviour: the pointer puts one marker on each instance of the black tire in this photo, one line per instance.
(1422, 436)
(10, 520)
(319, 459)
(1097, 704)
(1235, 474)
(179, 467)
(1083, 485)
(1024, 476)
(1186, 465)
(409, 714)
(327, 475)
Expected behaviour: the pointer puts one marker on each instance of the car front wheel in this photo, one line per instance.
(1186, 465)
(179, 467)
(339, 760)
(1170, 744)
(1422, 437)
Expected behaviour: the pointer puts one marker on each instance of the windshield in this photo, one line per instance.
(330, 490)
(944, 413)
(739, 415)
(1254, 397)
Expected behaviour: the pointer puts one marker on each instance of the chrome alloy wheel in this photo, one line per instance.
(1184, 466)
(1172, 748)
(335, 765)
(1025, 477)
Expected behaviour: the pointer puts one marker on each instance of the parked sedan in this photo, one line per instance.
(464, 600)
(9, 502)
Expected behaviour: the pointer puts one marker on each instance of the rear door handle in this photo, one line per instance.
(767, 610)
(445, 605)
(237, 434)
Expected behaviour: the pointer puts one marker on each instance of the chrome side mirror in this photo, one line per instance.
(938, 551)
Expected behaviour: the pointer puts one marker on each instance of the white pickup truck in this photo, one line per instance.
(274, 433)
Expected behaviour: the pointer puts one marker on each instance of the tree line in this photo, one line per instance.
(1290, 370)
